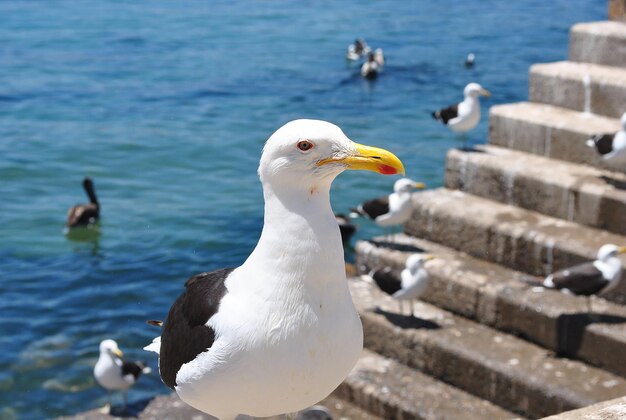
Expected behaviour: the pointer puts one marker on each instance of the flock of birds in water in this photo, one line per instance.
(197, 321)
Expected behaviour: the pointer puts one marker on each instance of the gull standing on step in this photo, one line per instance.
(280, 332)
(464, 116)
(612, 147)
(601, 275)
(113, 373)
(393, 209)
(409, 284)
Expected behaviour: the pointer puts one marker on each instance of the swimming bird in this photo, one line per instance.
(464, 116)
(356, 50)
(601, 275)
(393, 209)
(408, 284)
(346, 227)
(374, 64)
(115, 374)
(469, 60)
(83, 215)
(612, 147)
(280, 332)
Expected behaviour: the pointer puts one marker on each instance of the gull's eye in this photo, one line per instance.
(304, 145)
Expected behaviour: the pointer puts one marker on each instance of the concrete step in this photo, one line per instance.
(496, 296)
(565, 190)
(501, 368)
(598, 42)
(548, 131)
(394, 391)
(517, 238)
(607, 410)
(582, 87)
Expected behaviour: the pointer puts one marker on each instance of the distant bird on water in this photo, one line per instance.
(84, 215)
(374, 64)
(113, 373)
(612, 147)
(464, 116)
(356, 50)
(469, 60)
(601, 275)
(392, 209)
(280, 332)
(408, 284)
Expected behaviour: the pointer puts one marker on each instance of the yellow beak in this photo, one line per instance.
(621, 250)
(420, 185)
(118, 353)
(485, 92)
(429, 257)
(370, 159)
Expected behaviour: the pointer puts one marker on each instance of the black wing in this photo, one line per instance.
(582, 279)
(185, 334)
(446, 114)
(133, 368)
(373, 208)
(346, 228)
(387, 279)
(604, 143)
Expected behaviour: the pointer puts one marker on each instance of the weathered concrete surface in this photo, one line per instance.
(497, 296)
(560, 189)
(607, 410)
(517, 238)
(598, 42)
(170, 407)
(501, 368)
(548, 131)
(617, 10)
(394, 391)
(579, 86)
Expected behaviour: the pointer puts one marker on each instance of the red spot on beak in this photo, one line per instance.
(387, 170)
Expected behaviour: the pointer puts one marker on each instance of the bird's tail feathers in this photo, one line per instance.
(155, 346)
(548, 282)
(436, 115)
(590, 143)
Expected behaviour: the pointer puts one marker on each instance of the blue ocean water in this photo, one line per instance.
(167, 105)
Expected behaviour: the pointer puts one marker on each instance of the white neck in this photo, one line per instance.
(611, 268)
(300, 235)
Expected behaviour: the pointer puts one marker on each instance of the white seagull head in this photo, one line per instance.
(417, 261)
(474, 90)
(622, 121)
(407, 185)
(110, 348)
(314, 150)
(610, 251)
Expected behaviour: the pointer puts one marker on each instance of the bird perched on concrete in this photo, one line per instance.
(393, 209)
(601, 275)
(612, 147)
(408, 284)
(84, 215)
(346, 227)
(113, 373)
(469, 60)
(280, 332)
(464, 116)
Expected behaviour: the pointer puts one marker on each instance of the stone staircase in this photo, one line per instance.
(484, 343)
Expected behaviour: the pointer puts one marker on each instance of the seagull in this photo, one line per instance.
(115, 374)
(408, 284)
(84, 215)
(469, 60)
(590, 278)
(374, 64)
(280, 332)
(346, 227)
(612, 147)
(356, 50)
(464, 116)
(391, 210)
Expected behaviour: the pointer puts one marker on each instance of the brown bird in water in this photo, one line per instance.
(83, 215)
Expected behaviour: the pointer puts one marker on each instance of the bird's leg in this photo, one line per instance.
(589, 309)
